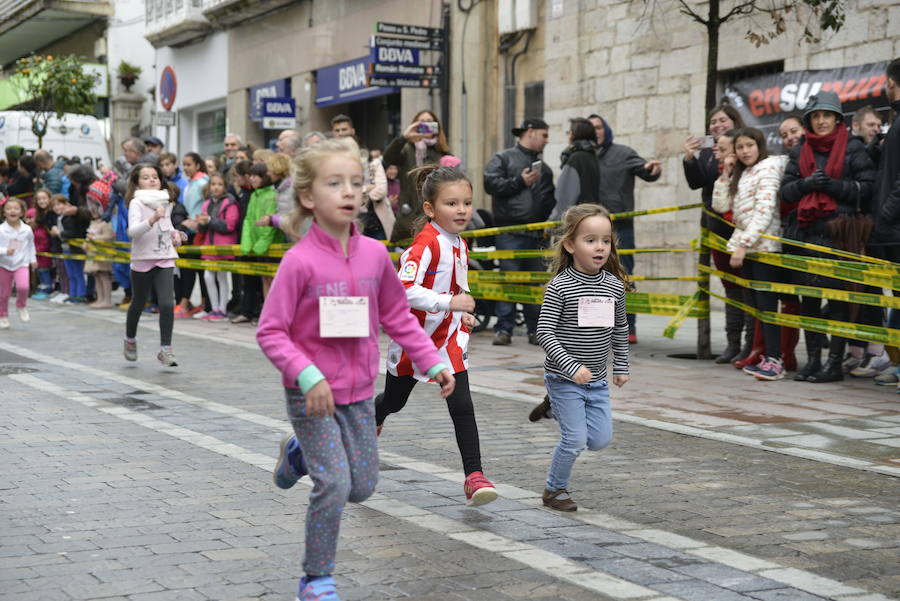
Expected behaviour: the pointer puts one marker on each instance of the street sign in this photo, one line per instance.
(412, 30)
(279, 113)
(405, 82)
(400, 56)
(388, 70)
(165, 118)
(392, 42)
(168, 86)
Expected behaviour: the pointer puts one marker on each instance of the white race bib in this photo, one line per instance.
(596, 312)
(462, 274)
(343, 316)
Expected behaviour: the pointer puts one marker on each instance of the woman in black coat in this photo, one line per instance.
(829, 182)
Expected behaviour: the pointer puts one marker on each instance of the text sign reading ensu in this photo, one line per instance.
(411, 30)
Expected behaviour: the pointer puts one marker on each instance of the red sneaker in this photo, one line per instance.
(479, 490)
(632, 339)
(181, 312)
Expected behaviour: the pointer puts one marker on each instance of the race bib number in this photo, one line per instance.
(462, 274)
(596, 312)
(343, 316)
(408, 271)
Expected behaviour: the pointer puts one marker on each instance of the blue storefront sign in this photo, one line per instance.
(280, 88)
(346, 82)
(279, 113)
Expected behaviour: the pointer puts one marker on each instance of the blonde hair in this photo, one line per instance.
(279, 166)
(570, 222)
(261, 155)
(303, 170)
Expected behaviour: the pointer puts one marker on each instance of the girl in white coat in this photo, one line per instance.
(749, 187)
(17, 254)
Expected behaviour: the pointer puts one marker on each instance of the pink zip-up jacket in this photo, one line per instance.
(288, 330)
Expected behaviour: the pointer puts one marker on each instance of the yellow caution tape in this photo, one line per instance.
(888, 336)
(541, 277)
(851, 271)
(849, 296)
(683, 312)
(814, 247)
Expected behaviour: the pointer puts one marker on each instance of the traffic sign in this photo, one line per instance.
(279, 113)
(392, 42)
(411, 30)
(168, 86)
(405, 82)
(389, 70)
(165, 118)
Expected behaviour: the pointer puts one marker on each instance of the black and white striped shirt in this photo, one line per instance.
(568, 346)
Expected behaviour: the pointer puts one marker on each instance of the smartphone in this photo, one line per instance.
(536, 166)
(427, 127)
(707, 142)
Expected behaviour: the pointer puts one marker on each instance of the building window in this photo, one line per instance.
(534, 99)
(210, 132)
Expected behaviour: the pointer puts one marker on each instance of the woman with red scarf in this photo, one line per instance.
(829, 179)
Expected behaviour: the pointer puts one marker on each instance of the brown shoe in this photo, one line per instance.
(541, 410)
(559, 500)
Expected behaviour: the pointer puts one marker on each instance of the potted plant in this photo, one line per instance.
(128, 74)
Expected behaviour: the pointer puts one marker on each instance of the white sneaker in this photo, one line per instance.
(199, 315)
(4, 323)
(871, 365)
(59, 298)
(23, 315)
(851, 362)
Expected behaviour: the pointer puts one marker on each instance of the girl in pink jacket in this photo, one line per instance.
(218, 220)
(319, 327)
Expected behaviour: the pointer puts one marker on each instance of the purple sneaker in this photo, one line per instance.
(319, 589)
(770, 369)
(290, 466)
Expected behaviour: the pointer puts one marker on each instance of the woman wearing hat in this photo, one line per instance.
(830, 178)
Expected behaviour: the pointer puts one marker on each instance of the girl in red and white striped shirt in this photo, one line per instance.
(434, 271)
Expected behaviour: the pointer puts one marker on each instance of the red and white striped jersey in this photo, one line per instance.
(433, 269)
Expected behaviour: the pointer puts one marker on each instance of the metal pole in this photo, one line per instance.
(445, 59)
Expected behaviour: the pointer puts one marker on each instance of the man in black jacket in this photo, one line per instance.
(520, 194)
(885, 240)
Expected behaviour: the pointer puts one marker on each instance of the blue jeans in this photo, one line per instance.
(45, 275)
(585, 421)
(75, 271)
(506, 312)
(625, 235)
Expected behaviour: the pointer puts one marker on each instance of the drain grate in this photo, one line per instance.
(8, 370)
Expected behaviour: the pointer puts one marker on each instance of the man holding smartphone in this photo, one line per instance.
(521, 187)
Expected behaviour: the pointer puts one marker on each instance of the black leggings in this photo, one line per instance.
(396, 392)
(765, 301)
(162, 281)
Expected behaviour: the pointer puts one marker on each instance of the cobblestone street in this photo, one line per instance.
(131, 481)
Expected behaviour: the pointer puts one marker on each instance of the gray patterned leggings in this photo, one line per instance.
(341, 453)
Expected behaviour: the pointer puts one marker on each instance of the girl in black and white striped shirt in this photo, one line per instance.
(582, 319)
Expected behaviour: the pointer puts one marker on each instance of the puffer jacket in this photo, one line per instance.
(512, 202)
(755, 205)
(857, 179)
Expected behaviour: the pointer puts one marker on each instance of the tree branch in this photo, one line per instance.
(688, 11)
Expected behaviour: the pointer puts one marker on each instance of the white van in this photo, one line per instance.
(72, 136)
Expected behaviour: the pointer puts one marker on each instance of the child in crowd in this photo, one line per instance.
(582, 319)
(256, 239)
(393, 187)
(218, 219)
(434, 272)
(100, 231)
(16, 256)
(247, 294)
(748, 189)
(72, 223)
(37, 219)
(153, 254)
(197, 179)
(168, 162)
(307, 330)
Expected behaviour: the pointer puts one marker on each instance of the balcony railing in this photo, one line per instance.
(174, 22)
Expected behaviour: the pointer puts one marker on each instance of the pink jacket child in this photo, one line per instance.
(152, 245)
(289, 327)
(41, 241)
(224, 216)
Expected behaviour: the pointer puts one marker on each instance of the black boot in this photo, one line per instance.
(734, 324)
(749, 330)
(814, 343)
(833, 370)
